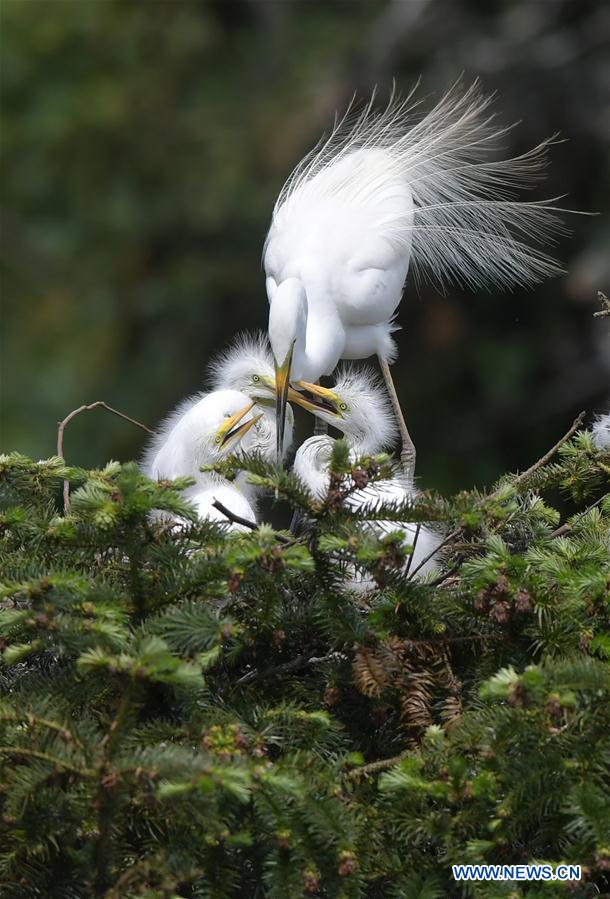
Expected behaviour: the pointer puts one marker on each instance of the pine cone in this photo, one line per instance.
(360, 478)
(500, 612)
(347, 863)
(523, 601)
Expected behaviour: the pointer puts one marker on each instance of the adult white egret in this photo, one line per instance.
(358, 406)
(200, 431)
(385, 192)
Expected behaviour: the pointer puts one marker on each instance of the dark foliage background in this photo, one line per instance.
(143, 145)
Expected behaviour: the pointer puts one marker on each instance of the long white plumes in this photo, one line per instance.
(369, 424)
(468, 225)
(601, 432)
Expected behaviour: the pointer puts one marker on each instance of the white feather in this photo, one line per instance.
(601, 432)
(244, 366)
(232, 368)
(368, 420)
(427, 188)
(312, 464)
(186, 440)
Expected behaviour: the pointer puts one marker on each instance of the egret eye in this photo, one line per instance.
(217, 439)
(343, 407)
(256, 378)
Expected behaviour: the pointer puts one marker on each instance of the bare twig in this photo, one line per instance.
(302, 661)
(237, 519)
(444, 577)
(566, 527)
(413, 546)
(61, 426)
(443, 543)
(547, 456)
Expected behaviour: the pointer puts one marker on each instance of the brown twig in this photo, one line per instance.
(435, 550)
(566, 527)
(237, 519)
(549, 455)
(444, 577)
(61, 426)
(302, 661)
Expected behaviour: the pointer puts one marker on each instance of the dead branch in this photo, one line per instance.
(302, 661)
(549, 455)
(61, 426)
(237, 519)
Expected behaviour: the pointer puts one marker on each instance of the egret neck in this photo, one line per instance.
(307, 339)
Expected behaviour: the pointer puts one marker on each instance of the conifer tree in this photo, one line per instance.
(190, 712)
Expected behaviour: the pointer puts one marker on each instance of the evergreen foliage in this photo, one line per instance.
(189, 712)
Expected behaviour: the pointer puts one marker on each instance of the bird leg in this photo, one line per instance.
(407, 454)
(319, 427)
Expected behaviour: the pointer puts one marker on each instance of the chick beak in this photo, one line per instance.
(282, 386)
(233, 429)
(316, 399)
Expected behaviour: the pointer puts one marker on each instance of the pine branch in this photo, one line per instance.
(18, 751)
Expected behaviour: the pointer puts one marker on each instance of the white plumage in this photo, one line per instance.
(312, 463)
(200, 431)
(363, 413)
(601, 432)
(247, 366)
(387, 191)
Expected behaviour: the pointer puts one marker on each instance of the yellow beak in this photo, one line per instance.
(282, 385)
(316, 399)
(233, 429)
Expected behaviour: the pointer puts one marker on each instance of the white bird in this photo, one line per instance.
(247, 366)
(203, 430)
(358, 406)
(386, 192)
(600, 430)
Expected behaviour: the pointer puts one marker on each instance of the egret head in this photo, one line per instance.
(357, 405)
(230, 415)
(247, 366)
(201, 431)
(287, 327)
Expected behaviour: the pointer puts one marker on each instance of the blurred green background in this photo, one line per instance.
(143, 144)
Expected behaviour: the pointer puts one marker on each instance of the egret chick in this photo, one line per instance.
(201, 431)
(385, 192)
(601, 432)
(247, 366)
(358, 406)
